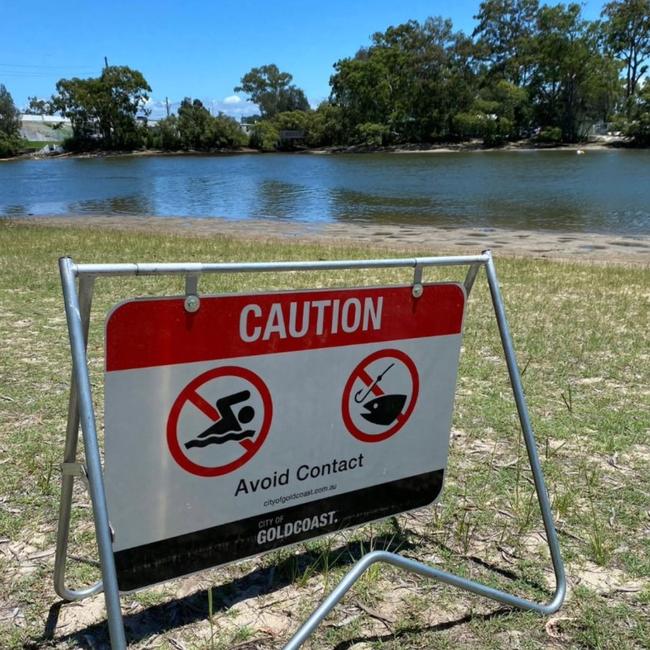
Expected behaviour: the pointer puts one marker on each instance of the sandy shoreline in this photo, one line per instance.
(422, 240)
(596, 143)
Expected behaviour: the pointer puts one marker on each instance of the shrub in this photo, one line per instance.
(226, 133)
(9, 145)
(371, 134)
(325, 126)
(265, 136)
(549, 135)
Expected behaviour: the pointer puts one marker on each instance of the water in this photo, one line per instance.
(602, 191)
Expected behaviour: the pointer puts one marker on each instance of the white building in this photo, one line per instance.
(45, 128)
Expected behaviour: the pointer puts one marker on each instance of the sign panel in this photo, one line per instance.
(268, 419)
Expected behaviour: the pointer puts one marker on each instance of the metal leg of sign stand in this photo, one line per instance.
(70, 468)
(368, 560)
(471, 277)
(81, 411)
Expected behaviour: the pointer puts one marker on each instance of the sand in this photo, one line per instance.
(423, 240)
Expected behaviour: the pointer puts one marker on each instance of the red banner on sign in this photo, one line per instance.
(227, 327)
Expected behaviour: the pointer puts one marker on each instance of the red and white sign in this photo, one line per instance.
(261, 407)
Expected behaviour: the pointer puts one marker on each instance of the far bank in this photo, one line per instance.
(599, 143)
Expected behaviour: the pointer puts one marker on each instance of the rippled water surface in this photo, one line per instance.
(602, 191)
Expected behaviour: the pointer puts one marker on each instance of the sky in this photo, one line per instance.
(187, 48)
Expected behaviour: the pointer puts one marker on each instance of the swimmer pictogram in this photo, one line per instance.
(232, 437)
(229, 426)
(391, 378)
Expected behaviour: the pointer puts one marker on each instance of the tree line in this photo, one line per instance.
(528, 70)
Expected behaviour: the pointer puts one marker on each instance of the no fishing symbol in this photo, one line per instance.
(380, 395)
(219, 421)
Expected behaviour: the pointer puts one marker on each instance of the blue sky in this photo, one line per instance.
(200, 49)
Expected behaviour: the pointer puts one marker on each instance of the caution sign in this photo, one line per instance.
(263, 420)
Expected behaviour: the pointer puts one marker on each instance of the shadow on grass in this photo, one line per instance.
(510, 574)
(420, 629)
(158, 619)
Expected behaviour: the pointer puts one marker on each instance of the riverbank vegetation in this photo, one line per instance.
(528, 71)
(10, 141)
(581, 336)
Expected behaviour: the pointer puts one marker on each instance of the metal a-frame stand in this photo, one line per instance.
(81, 412)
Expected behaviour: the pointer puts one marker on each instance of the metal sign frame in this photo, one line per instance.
(81, 413)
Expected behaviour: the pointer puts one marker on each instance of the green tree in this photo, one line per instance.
(227, 133)
(573, 82)
(196, 128)
(103, 109)
(9, 115)
(272, 91)
(361, 89)
(639, 127)
(410, 83)
(496, 114)
(38, 106)
(325, 126)
(293, 121)
(165, 134)
(513, 105)
(265, 136)
(627, 34)
(321, 127)
(370, 134)
(504, 37)
(194, 124)
(127, 92)
(9, 124)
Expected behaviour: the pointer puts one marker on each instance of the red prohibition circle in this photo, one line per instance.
(183, 398)
(356, 373)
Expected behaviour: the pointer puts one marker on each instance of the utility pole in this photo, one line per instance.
(167, 105)
(105, 62)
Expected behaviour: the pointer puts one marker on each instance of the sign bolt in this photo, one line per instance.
(192, 304)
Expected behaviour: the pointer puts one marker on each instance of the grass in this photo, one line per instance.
(39, 144)
(580, 332)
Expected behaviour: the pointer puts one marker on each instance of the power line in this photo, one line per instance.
(16, 73)
(44, 67)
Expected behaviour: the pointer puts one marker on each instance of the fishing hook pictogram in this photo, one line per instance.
(358, 399)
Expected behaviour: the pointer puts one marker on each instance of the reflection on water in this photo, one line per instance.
(119, 205)
(15, 211)
(278, 199)
(604, 191)
(347, 205)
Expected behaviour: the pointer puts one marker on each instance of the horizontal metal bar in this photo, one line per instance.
(262, 267)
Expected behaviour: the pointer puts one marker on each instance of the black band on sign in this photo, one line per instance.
(177, 556)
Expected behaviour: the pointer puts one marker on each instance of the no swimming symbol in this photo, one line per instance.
(219, 421)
